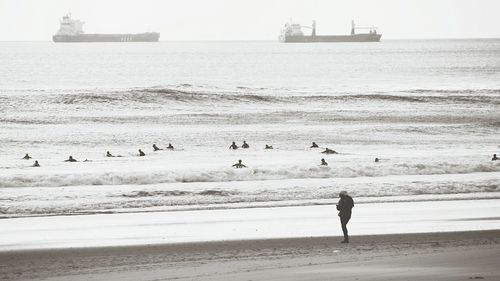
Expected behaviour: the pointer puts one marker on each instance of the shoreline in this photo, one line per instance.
(235, 224)
(310, 258)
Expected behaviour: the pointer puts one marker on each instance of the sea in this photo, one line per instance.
(428, 109)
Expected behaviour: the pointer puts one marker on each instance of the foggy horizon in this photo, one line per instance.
(222, 20)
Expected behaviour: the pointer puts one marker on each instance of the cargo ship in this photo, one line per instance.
(71, 30)
(292, 33)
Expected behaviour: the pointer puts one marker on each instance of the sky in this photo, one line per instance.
(38, 20)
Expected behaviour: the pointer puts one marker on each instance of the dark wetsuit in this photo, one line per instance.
(170, 146)
(233, 146)
(141, 153)
(495, 158)
(156, 148)
(314, 145)
(329, 151)
(245, 145)
(344, 207)
(239, 165)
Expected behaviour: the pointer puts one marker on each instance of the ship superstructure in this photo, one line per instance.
(292, 33)
(71, 30)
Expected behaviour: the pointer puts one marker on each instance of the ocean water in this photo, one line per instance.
(429, 109)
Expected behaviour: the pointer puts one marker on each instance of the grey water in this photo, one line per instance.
(430, 107)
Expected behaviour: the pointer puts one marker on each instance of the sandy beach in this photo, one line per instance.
(429, 256)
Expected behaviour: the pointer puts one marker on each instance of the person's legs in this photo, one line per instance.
(343, 221)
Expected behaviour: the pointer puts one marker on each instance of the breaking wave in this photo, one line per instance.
(253, 174)
(162, 95)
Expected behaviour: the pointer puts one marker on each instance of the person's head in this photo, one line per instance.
(234, 142)
(322, 159)
(70, 157)
(343, 194)
(36, 161)
(244, 141)
(239, 161)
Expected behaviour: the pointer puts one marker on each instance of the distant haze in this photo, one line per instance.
(252, 20)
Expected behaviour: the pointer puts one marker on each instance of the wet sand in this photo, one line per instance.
(442, 256)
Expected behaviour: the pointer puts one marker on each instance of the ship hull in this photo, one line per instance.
(138, 37)
(332, 38)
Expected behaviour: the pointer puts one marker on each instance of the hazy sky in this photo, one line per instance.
(252, 19)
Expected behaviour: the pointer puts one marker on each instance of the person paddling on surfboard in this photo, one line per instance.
(70, 159)
(329, 151)
(239, 165)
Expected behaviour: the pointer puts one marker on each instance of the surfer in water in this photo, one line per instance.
(344, 207)
(495, 158)
(156, 148)
(36, 164)
(245, 145)
(70, 159)
(269, 147)
(239, 165)
(329, 151)
(141, 153)
(314, 145)
(108, 154)
(323, 162)
(27, 157)
(170, 146)
(233, 146)
(377, 160)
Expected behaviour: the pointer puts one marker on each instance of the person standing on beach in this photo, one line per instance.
(344, 207)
